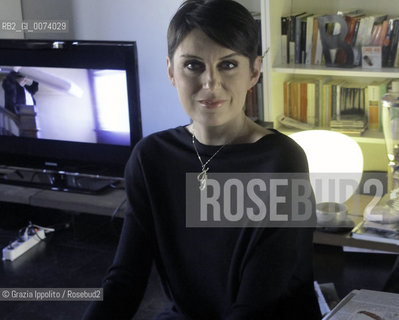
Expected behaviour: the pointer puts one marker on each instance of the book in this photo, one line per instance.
(378, 33)
(366, 304)
(308, 39)
(382, 227)
(311, 103)
(291, 31)
(369, 234)
(393, 44)
(350, 124)
(387, 42)
(294, 106)
(354, 97)
(286, 98)
(376, 90)
(300, 37)
(317, 48)
(284, 40)
(298, 94)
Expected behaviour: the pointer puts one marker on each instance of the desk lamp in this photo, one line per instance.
(335, 169)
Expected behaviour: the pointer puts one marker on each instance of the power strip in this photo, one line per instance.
(18, 247)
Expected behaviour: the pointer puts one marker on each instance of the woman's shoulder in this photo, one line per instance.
(284, 150)
(167, 140)
(280, 141)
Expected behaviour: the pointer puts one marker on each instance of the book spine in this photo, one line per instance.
(302, 55)
(303, 101)
(308, 45)
(284, 39)
(298, 31)
(287, 98)
(373, 106)
(394, 44)
(315, 36)
(311, 97)
(294, 100)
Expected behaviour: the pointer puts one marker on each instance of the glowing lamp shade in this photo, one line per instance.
(335, 163)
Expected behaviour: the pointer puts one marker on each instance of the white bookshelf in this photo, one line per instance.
(275, 72)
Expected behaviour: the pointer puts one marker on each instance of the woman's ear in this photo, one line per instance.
(256, 71)
(170, 70)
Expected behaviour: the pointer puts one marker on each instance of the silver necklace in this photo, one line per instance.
(203, 176)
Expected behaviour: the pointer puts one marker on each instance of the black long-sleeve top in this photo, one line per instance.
(207, 273)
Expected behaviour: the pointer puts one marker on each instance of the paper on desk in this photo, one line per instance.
(366, 305)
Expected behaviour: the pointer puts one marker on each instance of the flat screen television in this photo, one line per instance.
(68, 109)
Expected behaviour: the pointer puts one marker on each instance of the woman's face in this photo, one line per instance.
(212, 81)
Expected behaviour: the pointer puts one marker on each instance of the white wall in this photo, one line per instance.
(10, 10)
(145, 22)
(40, 10)
(142, 21)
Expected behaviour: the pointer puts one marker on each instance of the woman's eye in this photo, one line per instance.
(194, 65)
(228, 65)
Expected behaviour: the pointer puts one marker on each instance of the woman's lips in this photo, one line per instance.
(212, 103)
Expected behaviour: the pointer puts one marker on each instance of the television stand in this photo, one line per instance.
(58, 180)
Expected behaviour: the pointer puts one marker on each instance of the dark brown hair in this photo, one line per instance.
(225, 21)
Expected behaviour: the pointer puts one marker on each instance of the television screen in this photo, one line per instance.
(67, 104)
(70, 107)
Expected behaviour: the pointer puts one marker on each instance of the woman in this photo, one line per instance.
(209, 273)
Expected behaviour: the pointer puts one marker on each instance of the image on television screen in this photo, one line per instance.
(68, 104)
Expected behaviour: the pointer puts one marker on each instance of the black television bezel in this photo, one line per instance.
(65, 156)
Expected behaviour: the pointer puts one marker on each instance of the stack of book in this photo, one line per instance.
(377, 232)
(354, 125)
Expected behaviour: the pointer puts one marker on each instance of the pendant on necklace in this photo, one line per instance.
(202, 177)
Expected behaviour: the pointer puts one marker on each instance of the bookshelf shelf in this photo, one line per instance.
(314, 70)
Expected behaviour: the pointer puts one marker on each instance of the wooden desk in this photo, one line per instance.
(356, 206)
(102, 204)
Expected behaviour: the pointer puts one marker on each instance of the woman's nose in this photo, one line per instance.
(211, 79)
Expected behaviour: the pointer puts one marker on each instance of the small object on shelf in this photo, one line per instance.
(371, 57)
